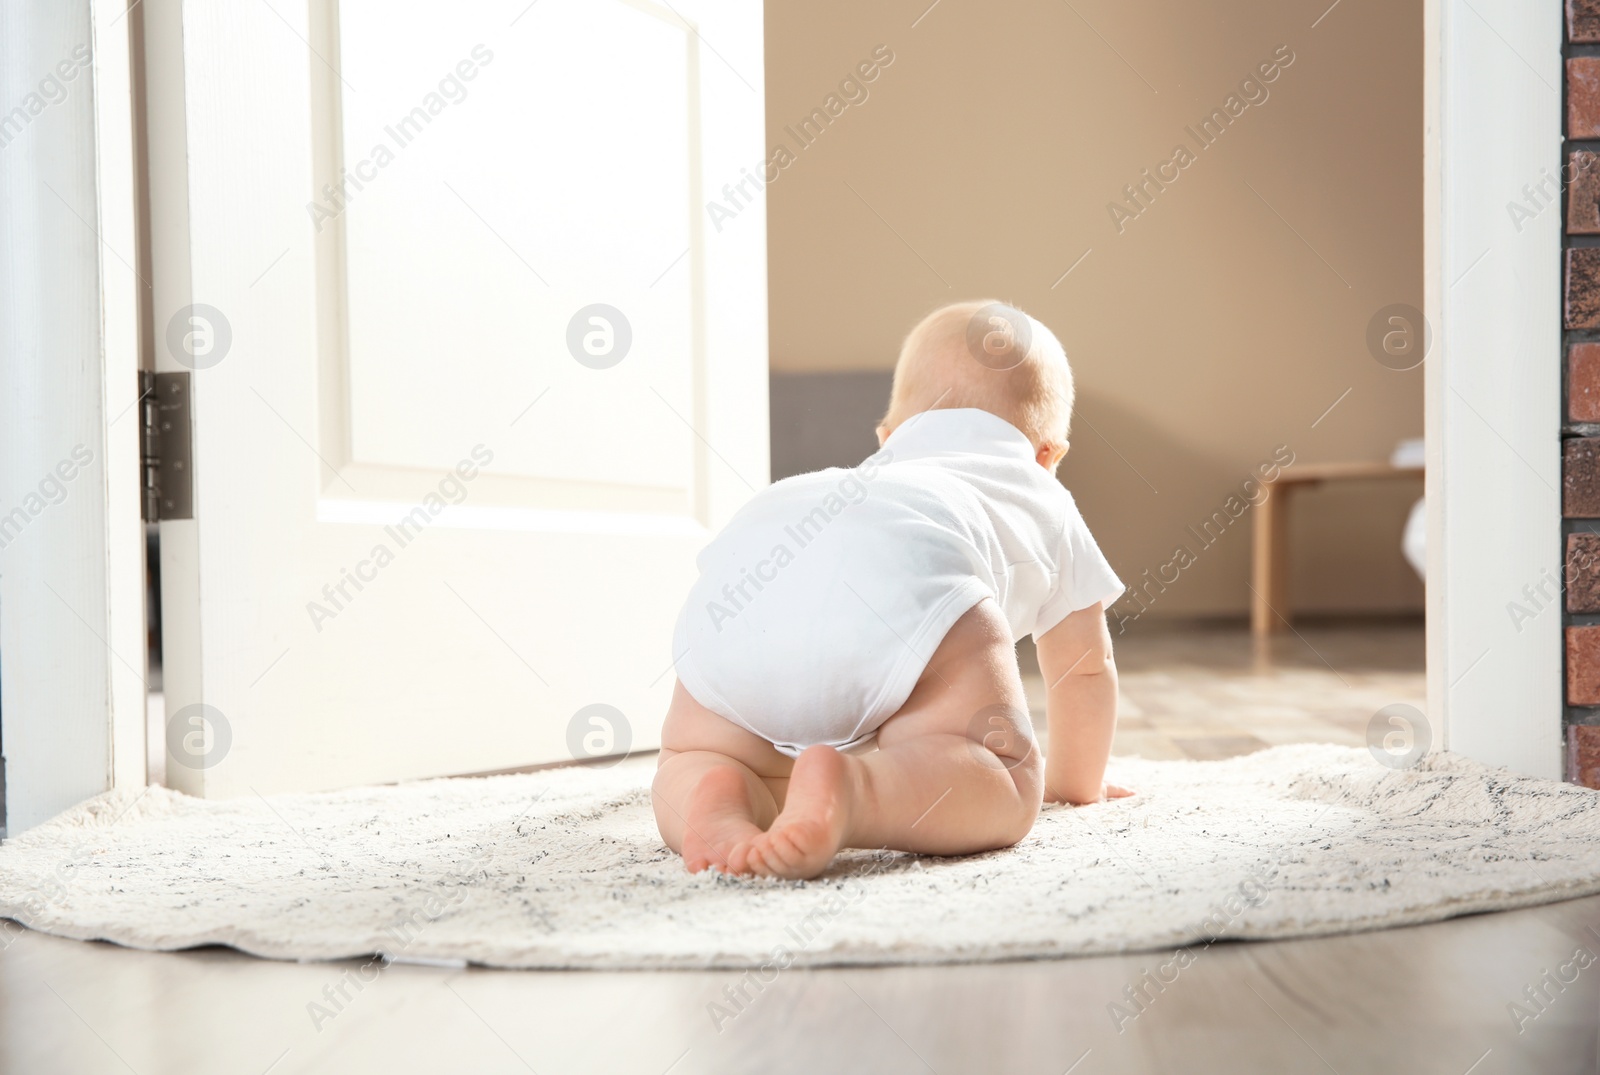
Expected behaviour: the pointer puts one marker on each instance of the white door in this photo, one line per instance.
(472, 380)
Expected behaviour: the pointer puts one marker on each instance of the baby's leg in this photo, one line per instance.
(957, 768)
(716, 784)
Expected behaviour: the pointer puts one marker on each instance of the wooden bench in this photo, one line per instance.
(1269, 562)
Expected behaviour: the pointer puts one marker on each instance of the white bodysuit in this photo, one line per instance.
(821, 602)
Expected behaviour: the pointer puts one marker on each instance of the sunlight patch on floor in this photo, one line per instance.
(1208, 691)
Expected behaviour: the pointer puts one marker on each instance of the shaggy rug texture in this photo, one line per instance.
(564, 869)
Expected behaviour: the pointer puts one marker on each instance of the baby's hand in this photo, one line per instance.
(1107, 791)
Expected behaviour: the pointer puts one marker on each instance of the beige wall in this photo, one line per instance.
(1213, 328)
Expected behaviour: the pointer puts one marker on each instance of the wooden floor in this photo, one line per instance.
(1427, 999)
(1214, 691)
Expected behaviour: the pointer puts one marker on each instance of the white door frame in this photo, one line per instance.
(72, 626)
(74, 709)
(1493, 124)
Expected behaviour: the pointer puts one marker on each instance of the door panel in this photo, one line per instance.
(520, 215)
(428, 530)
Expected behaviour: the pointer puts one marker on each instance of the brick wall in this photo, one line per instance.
(1580, 427)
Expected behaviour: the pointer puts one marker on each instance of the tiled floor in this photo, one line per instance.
(1211, 691)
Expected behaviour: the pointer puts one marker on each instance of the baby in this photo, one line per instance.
(880, 605)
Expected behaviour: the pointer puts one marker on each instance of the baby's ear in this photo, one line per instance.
(1050, 454)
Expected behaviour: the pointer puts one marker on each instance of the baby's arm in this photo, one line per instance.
(1081, 707)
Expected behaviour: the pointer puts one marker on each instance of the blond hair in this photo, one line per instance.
(991, 356)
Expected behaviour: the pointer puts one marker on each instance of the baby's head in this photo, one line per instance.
(991, 356)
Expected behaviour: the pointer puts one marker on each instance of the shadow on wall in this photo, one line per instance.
(1125, 463)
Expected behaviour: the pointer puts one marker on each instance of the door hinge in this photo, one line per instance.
(166, 446)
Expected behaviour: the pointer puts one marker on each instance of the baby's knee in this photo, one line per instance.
(1017, 828)
(1028, 776)
(1003, 733)
(1016, 822)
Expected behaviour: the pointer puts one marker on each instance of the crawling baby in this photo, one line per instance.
(847, 675)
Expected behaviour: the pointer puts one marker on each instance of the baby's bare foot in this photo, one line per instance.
(716, 819)
(811, 828)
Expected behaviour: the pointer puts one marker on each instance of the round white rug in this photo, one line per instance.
(564, 869)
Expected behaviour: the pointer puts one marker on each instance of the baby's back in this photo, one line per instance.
(828, 592)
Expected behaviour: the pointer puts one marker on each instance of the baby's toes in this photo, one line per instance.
(786, 855)
(776, 853)
(759, 858)
(738, 862)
